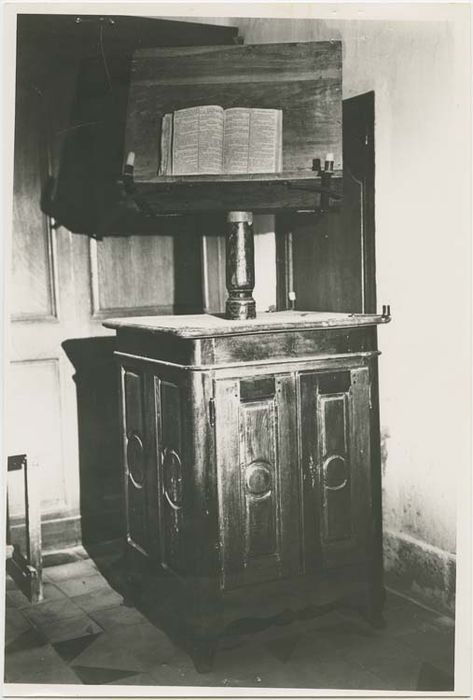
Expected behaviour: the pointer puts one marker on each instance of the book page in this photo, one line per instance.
(210, 151)
(236, 140)
(264, 153)
(185, 147)
(198, 140)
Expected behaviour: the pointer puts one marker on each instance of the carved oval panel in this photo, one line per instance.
(135, 460)
(172, 478)
(335, 473)
(258, 479)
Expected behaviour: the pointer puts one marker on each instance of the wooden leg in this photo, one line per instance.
(240, 266)
(26, 569)
(33, 528)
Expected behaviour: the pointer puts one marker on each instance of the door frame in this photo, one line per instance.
(359, 167)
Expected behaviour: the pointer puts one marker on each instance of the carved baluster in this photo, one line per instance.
(240, 266)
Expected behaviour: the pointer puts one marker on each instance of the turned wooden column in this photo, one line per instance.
(240, 265)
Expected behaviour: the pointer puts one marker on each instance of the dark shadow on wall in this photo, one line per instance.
(97, 391)
(194, 277)
(101, 482)
(82, 67)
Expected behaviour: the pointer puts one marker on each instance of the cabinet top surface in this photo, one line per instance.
(208, 325)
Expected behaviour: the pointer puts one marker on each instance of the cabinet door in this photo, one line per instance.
(258, 478)
(172, 496)
(163, 492)
(138, 459)
(132, 392)
(336, 463)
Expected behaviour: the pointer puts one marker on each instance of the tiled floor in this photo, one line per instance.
(83, 633)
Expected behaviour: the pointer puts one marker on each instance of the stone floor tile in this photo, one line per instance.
(16, 619)
(182, 672)
(15, 624)
(16, 599)
(100, 676)
(65, 572)
(148, 644)
(312, 623)
(331, 641)
(301, 626)
(40, 665)
(53, 611)
(408, 618)
(117, 616)
(141, 679)
(70, 628)
(433, 679)
(70, 648)
(389, 658)
(335, 651)
(30, 639)
(66, 556)
(357, 621)
(246, 662)
(437, 649)
(98, 600)
(242, 667)
(107, 651)
(81, 585)
(52, 592)
(335, 673)
(345, 678)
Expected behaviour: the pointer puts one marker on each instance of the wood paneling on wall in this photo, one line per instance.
(62, 386)
(131, 274)
(33, 274)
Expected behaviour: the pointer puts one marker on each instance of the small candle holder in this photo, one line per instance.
(326, 176)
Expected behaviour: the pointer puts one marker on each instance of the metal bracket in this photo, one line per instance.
(127, 184)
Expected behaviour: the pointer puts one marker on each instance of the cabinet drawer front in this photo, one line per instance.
(336, 463)
(258, 480)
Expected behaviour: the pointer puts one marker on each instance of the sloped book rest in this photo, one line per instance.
(304, 81)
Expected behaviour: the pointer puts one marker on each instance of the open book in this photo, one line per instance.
(211, 140)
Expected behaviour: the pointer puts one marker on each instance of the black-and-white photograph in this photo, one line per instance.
(237, 334)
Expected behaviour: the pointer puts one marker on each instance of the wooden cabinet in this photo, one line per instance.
(251, 453)
(251, 444)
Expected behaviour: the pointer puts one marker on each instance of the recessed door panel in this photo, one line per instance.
(171, 472)
(332, 414)
(259, 478)
(134, 457)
